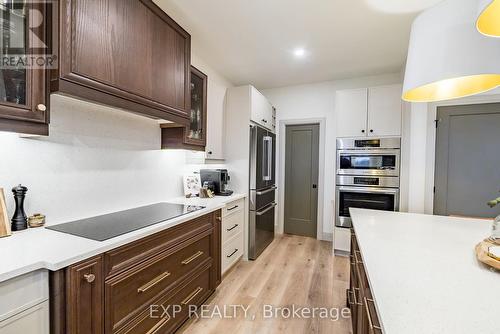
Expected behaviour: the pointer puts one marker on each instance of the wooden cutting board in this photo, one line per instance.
(4, 218)
(482, 254)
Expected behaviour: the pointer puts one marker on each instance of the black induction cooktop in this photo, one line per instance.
(111, 225)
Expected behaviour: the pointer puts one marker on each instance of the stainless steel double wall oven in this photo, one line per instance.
(262, 189)
(367, 176)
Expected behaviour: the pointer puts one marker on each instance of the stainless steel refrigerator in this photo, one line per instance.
(262, 189)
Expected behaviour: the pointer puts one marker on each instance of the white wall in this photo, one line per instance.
(96, 160)
(318, 101)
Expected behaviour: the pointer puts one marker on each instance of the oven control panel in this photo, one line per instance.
(367, 143)
(367, 181)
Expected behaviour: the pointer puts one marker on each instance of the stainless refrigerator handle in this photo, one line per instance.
(260, 213)
(270, 159)
(266, 191)
(268, 147)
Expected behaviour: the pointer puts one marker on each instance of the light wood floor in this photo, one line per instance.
(292, 270)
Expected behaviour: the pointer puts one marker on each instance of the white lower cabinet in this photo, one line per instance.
(232, 251)
(233, 219)
(34, 320)
(24, 304)
(342, 241)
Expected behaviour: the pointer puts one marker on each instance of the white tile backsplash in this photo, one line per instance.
(96, 160)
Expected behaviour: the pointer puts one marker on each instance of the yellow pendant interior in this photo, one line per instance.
(488, 22)
(453, 88)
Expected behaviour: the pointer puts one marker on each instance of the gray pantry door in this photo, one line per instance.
(301, 179)
(467, 160)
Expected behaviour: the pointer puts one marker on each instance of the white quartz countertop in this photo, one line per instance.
(424, 275)
(40, 248)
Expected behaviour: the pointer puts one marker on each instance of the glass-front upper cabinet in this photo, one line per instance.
(13, 40)
(196, 133)
(26, 58)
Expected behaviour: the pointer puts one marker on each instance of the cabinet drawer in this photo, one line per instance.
(128, 292)
(125, 257)
(23, 292)
(232, 251)
(233, 207)
(232, 225)
(151, 321)
(32, 320)
(361, 276)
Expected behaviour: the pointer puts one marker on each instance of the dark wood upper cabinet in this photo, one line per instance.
(197, 130)
(123, 53)
(24, 95)
(194, 135)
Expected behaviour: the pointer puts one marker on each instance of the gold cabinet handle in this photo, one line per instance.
(89, 277)
(191, 296)
(356, 257)
(369, 316)
(158, 326)
(192, 257)
(153, 282)
(41, 107)
(355, 299)
(349, 298)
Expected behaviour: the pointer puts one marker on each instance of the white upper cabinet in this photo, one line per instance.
(261, 109)
(384, 111)
(214, 148)
(372, 112)
(216, 105)
(351, 107)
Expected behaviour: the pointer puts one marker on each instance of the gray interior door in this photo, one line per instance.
(467, 160)
(301, 179)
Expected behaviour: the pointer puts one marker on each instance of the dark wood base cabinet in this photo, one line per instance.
(147, 286)
(359, 297)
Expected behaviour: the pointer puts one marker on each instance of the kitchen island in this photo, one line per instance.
(423, 273)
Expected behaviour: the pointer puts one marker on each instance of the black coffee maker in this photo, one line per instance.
(217, 180)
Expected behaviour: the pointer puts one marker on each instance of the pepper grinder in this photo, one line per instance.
(19, 220)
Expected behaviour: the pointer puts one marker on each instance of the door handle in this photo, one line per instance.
(267, 155)
(232, 228)
(266, 191)
(234, 252)
(260, 213)
(315, 186)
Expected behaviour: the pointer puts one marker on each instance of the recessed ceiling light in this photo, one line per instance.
(299, 52)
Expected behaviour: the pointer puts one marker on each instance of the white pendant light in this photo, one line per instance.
(488, 21)
(447, 57)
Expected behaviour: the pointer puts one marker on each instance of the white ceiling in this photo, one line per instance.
(252, 41)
